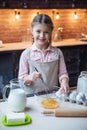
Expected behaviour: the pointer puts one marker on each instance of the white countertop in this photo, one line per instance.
(42, 122)
(24, 45)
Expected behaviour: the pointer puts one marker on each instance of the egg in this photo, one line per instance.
(65, 96)
(59, 95)
(80, 98)
(72, 96)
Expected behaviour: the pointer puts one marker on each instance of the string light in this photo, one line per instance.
(57, 15)
(75, 15)
(17, 14)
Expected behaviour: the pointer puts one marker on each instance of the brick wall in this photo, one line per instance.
(12, 30)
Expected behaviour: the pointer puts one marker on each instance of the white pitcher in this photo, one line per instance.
(17, 97)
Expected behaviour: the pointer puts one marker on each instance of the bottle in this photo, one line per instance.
(82, 82)
(58, 35)
(27, 36)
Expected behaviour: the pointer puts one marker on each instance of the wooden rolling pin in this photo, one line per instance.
(67, 112)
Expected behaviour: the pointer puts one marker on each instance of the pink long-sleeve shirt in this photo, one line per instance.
(50, 54)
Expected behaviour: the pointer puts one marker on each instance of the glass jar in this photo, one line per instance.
(82, 82)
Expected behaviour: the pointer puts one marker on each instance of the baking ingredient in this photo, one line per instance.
(15, 117)
(50, 103)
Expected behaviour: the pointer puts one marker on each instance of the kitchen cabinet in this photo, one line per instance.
(73, 61)
(6, 66)
(6, 70)
(83, 58)
(9, 65)
(43, 4)
(76, 61)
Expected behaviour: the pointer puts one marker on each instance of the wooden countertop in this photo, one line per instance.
(24, 45)
(14, 46)
(69, 42)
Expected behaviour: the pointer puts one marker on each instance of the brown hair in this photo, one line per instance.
(42, 18)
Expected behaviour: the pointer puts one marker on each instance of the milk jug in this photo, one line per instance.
(17, 97)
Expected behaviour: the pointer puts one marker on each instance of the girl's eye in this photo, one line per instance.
(38, 31)
(46, 32)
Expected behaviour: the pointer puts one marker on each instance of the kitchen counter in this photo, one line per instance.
(14, 46)
(70, 42)
(42, 122)
(24, 45)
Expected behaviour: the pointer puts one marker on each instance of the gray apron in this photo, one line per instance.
(49, 71)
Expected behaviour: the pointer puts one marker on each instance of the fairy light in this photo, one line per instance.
(57, 15)
(75, 15)
(17, 14)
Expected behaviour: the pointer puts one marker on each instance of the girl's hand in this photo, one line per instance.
(28, 82)
(31, 78)
(64, 89)
(34, 76)
(64, 86)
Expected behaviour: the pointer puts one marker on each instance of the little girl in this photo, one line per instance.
(43, 65)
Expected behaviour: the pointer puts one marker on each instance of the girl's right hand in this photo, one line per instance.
(31, 78)
(34, 76)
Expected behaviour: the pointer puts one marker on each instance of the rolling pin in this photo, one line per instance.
(67, 112)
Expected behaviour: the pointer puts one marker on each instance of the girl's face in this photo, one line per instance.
(41, 34)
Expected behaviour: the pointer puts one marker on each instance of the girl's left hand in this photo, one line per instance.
(64, 87)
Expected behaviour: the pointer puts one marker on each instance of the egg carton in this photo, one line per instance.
(73, 97)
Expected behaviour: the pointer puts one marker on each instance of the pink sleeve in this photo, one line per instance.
(23, 65)
(62, 67)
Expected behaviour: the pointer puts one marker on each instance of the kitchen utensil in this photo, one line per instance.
(42, 80)
(67, 112)
(45, 86)
(17, 97)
